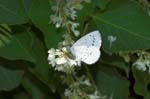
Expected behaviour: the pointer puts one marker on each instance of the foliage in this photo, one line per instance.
(29, 28)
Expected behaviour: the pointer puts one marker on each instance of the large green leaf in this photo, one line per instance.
(35, 46)
(14, 50)
(110, 82)
(12, 12)
(21, 95)
(116, 62)
(32, 89)
(40, 15)
(9, 79)
(142, 81)
(126, 21)
(36, 89)
(101, 3)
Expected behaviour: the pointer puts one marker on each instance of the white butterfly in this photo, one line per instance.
(87, 48)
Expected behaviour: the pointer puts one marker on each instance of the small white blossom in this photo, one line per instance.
(76, 33)
(72, 62)
(61, 60)
(66, 14)
(85, 81)
(78, 86)
(58, 25)
(111, 39)
(94, 96)
(140, 65)
(54, 8)
(64, 49)
(70, 11)
(51, 56)
(143, 64)
(64, 43)
(73, 28)
(67, 93)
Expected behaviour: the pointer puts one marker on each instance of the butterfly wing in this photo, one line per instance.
(87, 48)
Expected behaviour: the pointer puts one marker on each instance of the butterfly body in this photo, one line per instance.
(87, 48)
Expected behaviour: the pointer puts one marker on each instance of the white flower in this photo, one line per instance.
(64, 49)
(87, 82)
(70, 12)
(147, 62)
(54, 8)
(51, 56)
(111, 39)
(140, 65)
(58, 25)
(94, 96)
(143, 62)
(67, 14)
(84, 81)
(59, 52)
(76, 33)
(64, 43)
(61, 60)
(67, 93)
(73, 28)
(51, 52)
(72, 62)
(57, 20)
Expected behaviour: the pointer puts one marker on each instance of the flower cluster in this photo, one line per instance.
(76, 89)
(60, 60)
(66, 42)
(66, 13)
(143, 63)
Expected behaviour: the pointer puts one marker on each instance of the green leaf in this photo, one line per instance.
(126, 21)
(12, 12)
(41, 68)
(14, 50)
(32, 89)
(9, 79)
(101, 3)
(40, 15)
(110, 83)
(36, 89)
(116, 62)
(21, 95)
(4, 34)
(142, 83)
